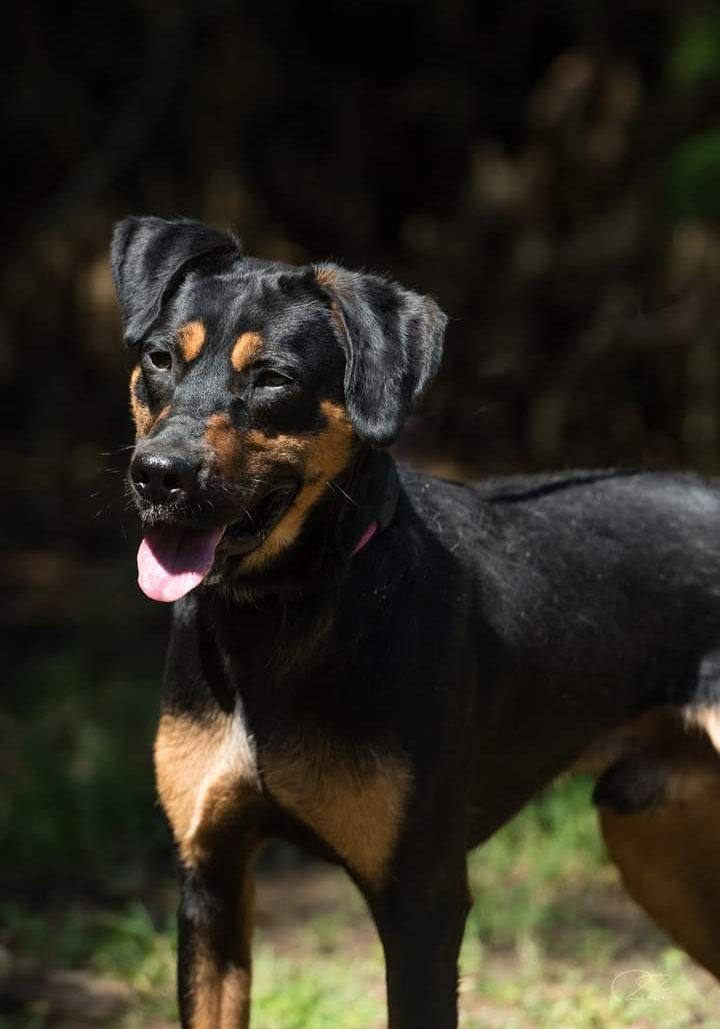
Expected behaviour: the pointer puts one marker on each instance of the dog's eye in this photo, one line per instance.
(160, 359)
(271, 379)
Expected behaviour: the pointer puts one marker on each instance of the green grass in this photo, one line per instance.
(547, 938)
(80, 833)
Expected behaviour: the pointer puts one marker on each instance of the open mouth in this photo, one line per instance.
(174, 558)
(255, 525)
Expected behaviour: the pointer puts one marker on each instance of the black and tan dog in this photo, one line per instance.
(382, 666)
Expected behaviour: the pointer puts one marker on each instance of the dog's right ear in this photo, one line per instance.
(149, 257)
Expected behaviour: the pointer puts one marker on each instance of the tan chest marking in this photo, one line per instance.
(359, 814)
(205, 773)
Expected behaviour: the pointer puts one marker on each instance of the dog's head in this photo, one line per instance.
(255, 383)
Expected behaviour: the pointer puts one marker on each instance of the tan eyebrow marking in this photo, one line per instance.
(246, 347)
(191, 338)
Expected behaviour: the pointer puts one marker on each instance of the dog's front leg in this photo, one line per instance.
(214, 941)
(420, 918)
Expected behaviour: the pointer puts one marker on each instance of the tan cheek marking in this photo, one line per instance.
(245, 349)
(142, 416)
(358, 814)
(140, 412)
(326, 454)
(224, 441)
(250, 454)
(191, 339)
(331, 448)
(204, 774)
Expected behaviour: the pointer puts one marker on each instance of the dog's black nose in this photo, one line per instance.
(159, 477)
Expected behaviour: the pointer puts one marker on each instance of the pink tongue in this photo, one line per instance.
(173, 560)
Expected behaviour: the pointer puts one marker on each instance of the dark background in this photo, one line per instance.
(548, 169)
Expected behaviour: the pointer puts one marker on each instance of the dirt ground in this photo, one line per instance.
(288, 903)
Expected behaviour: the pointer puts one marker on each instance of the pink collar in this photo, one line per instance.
(374, 488)
(366, 537)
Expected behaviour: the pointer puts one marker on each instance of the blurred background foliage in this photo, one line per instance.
(548, 169)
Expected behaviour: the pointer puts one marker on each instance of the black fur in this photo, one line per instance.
(148, 258)
(490, 634)
(392, 338)
(393, 345)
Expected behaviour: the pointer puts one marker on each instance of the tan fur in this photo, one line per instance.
(647, 731)
(669, 859)
(325, 276)
(144, 420)
(326, 454)
(674, 735)
(208, 773)
(337, 316)
(161, 416)
(225, 442)
(191, 339)
(669, 853)
(358, 813)
(140, 412)
(239, 453)
(706, 719)
(221, 996)
(245, 349)
(205, 773)
(322, 456)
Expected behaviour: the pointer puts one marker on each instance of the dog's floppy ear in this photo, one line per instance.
(393, 345)
(149, 256)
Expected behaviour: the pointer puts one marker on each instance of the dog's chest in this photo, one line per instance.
(210, 774)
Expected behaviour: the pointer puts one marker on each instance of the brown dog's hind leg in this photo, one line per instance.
(660, 817)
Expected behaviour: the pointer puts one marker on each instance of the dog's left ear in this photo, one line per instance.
(149, 256)
(393, 345)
